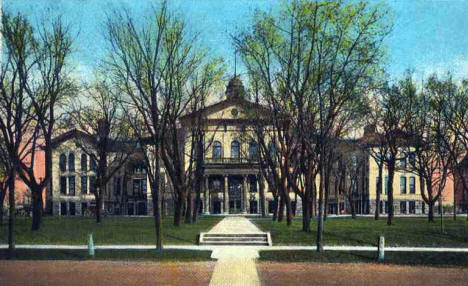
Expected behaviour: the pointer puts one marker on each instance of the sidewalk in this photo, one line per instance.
(277, 247)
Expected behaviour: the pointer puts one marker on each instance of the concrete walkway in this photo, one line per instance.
(236, 264)
(235, 225)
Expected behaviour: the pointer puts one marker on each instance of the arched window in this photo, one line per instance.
(71, 162)
(93, 165)
(63, 162)
(235, 149)
(253, 153)
(84, 163)
(217, 148)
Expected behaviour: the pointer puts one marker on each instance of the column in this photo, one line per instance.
(207, 197)
(226, 195)
(259, 206)
(245, 206)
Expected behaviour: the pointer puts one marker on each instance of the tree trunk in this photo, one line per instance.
(287, 203)
(196, 207)
(306, 213)
(261, 192)
(431, 211)
(37, 209)
(391, 174)
(351, 204)
(281, 208)
(379, 191)
(454, 199)
(12, 209)
(157, 213)
(178, 209)
(275, 207)
(320, 211)
(2, 199)
(188, 210)
(98, 208)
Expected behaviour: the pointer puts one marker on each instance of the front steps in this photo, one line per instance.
(256, 239)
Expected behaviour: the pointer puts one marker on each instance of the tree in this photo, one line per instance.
(47, 84)
(309, 63)
(455, 112)
(4, 166)
(16, 112)
(107, 139)
(431, 141)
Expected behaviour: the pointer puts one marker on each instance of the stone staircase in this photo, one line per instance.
(258, 239)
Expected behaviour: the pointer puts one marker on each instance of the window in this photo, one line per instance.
(235, 148)
(403, 163)
(217, 148)
(71, 185)
(253, 154)
(403, 207)
(143, 187)
(63, 208)
(72, 208)
(423, 207)
(216, 185)
(412, 159)
(412, 207)
(412, 185)
(93, 164)
(386, 184)
(403, 184)
(63, 162)
(84, 185)
(354, 160)
(253, 184)
(117, 186)
(63, 185)
(353, 184)
(84, 163)
(139, 187)
(387, 207)
(92, 184)
(71, 162)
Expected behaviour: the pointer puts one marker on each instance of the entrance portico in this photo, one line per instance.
(231, 193)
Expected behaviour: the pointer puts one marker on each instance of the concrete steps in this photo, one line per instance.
(260, 239)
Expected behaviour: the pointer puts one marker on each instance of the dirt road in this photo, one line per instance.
(103, 273)
(293, 274)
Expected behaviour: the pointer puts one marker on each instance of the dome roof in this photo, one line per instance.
(235, 88)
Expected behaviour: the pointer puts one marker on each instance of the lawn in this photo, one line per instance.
(112, 230)
(391, 257)
(364, 231)
(169, 255)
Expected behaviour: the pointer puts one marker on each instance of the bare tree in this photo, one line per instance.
(310, 62)
(108, 136)
(16, 112)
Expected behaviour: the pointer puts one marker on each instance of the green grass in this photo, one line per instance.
(112, 230)
(364, 231)
(403, 258)
(126, 254)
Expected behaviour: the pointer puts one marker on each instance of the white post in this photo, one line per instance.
(90, 245)
(381, 248)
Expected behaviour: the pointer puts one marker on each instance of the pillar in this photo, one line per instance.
(226, 195)
(207, 196)
(246, 205)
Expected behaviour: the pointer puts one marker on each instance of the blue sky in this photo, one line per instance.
(428, 36)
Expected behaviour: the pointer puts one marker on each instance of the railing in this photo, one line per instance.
(231, 160)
